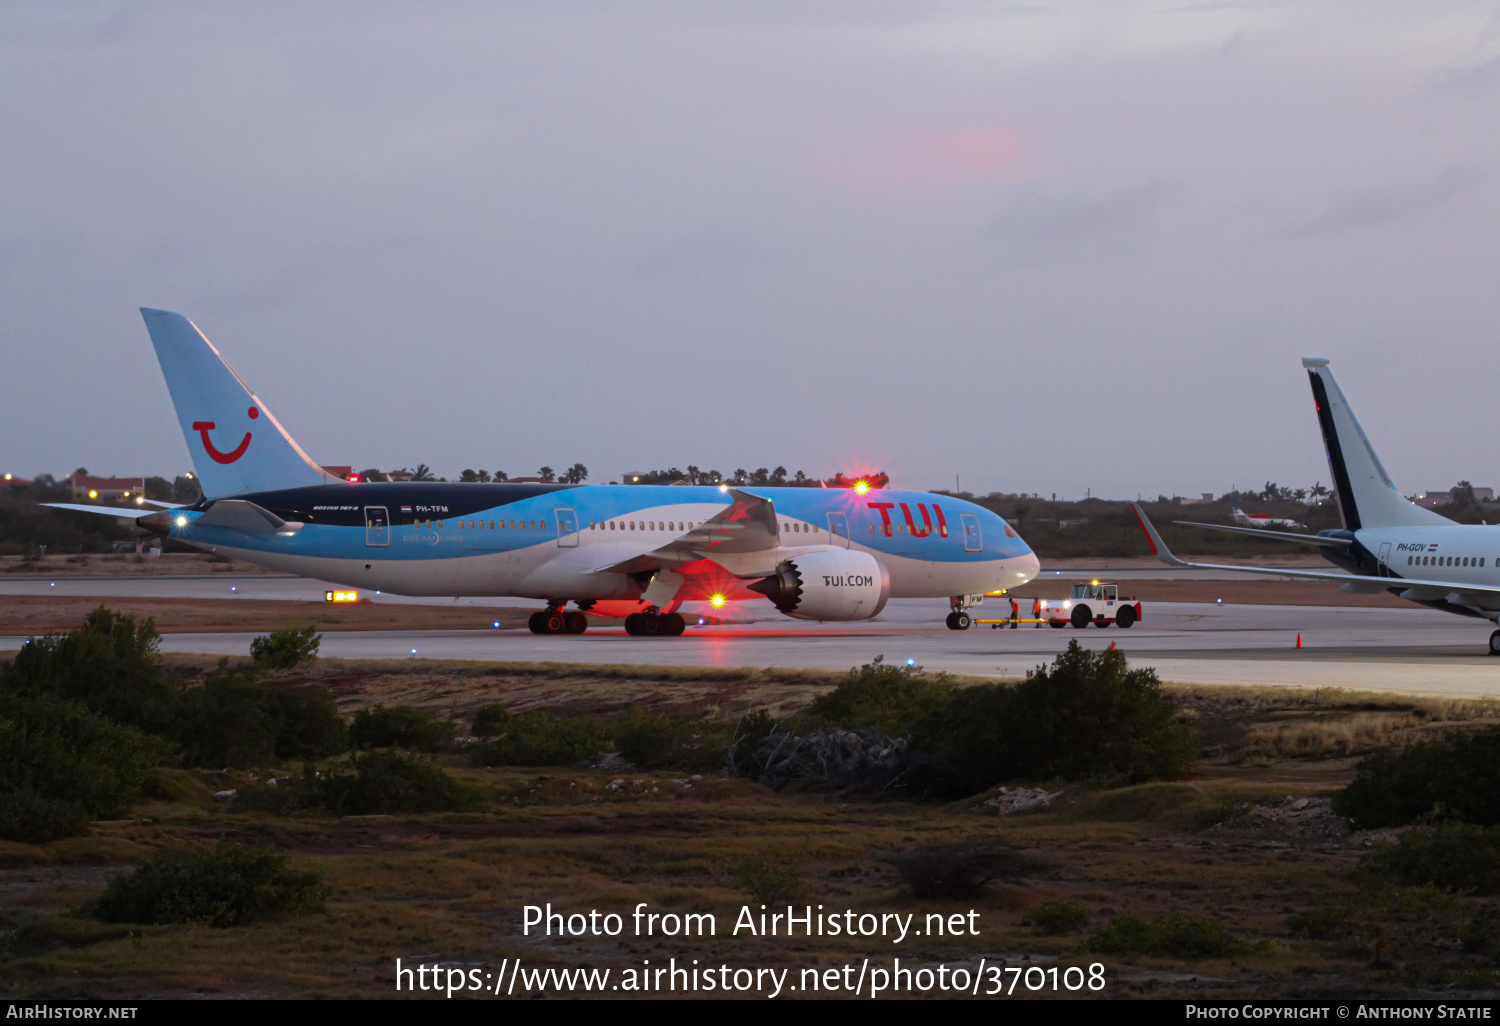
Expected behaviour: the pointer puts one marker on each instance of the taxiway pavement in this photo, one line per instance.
(1405, 650)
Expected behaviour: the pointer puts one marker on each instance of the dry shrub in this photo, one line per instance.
(1055, 917)
(959, 870)
(227, 886)
(1173, 935)
(768, 880)
(1328, 739)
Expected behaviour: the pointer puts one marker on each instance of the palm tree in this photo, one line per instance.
(576, 474)
(423, 473)
(692, 474)
(547, 474)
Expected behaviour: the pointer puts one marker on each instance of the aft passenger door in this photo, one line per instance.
(972, 540)
(838, 527)
(377, 527)
(1383, 569)
(567, 528)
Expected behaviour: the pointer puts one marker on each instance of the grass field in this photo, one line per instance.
(451, 888)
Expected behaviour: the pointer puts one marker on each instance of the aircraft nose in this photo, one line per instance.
(1030, 567)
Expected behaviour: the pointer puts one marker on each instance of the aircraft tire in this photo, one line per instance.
(1125, 618)
(554, 622)
(672, 625)
(1082, 617)
(962, 621)
(535, 623)
(1495, 644)
(633, 624)
(649, 625)
(576, 622)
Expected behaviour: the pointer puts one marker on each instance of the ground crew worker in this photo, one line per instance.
(1036, 611)
(1015, 613)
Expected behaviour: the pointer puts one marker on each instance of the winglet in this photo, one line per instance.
(1158, 547)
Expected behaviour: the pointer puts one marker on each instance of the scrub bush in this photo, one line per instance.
(490, 720)
(109, 664)
(1456, 776)
(1455, 857)
(890, 698)
(647, 740)
(282, 649)
(287, 795)
(768, 881)
(224, 887)
(62, 764)
(532, 740)
(749, 731)
(399, 726)
(1088, 717)
(1317, 923)
(959, 870)
(233, 720)
(387, 781)
(1171, 935)
(1054, 917)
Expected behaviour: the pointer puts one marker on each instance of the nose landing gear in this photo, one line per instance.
(1495, 644)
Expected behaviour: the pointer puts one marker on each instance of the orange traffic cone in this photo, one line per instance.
(1299, 639)
(1111, 646)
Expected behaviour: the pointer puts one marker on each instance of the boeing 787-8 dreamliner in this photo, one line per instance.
(815, 553)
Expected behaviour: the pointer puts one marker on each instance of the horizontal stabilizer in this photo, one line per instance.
(108, 511)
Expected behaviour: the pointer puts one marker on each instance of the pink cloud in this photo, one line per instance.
(926, 160)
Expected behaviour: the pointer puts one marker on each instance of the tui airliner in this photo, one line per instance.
(1387, 543)
(827, 554)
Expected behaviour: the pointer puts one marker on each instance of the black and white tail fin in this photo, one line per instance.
(1367, 497)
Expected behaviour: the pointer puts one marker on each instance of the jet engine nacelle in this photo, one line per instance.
(831, 584)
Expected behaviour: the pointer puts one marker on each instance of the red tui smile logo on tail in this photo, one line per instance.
(203, 427)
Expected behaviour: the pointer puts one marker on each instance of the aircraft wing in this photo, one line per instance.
(1413, 589)
(1261, 532)
(744, 538)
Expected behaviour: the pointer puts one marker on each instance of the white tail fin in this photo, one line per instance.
(1367, 497)
(236, 445)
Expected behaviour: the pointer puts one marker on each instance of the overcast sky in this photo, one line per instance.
(1046, 247)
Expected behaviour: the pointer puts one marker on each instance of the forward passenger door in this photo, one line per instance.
(567, 528)
(973, 542)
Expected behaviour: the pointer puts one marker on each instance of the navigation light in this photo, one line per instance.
(717, 601)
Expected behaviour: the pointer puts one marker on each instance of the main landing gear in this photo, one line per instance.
(653, 623)
(553, 620)
(650, 624)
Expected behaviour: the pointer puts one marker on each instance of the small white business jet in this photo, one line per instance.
(1262, 519)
